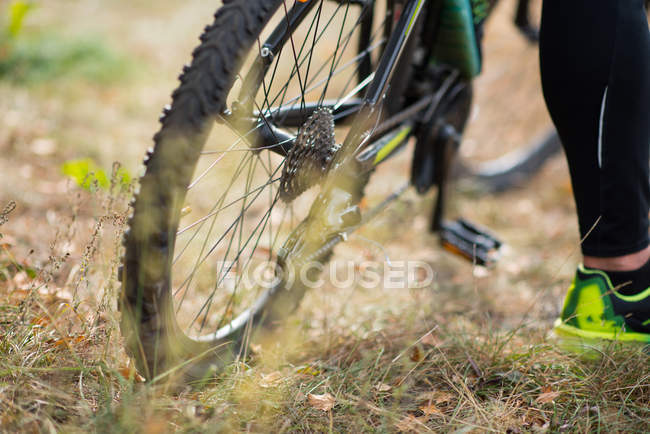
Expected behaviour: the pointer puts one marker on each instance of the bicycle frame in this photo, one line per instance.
(383, 126)
(271, 134)
(270, 131)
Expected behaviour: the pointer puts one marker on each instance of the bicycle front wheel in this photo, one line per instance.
(213, 221)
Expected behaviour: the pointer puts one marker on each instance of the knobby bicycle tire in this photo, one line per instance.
(513, 169)
(153, 336)
(149, 324)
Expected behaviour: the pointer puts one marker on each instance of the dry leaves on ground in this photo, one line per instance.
(309, 370)
(128, 372)
(436, 396)
(430, 409)
(547, 395)
(381, 387)
(271, 380)
(416, 354)
(430, 339)
(324, 402)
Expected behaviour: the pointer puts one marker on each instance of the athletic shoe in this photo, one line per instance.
(594, 310)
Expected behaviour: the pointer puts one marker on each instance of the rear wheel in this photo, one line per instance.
(215, 241)
(515, 136)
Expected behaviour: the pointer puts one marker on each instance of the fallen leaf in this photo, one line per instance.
(324, 402)
(69, 341)
(416, 354)
(381, 387)
(430, 339)
(128, 372)
(309, 370)
(430, 409)
(547, 396)
(533, 421)
(41, 320)
(270, 380)
(437, 397)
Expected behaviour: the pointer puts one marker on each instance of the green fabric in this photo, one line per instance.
(588, 311)
(456, 43)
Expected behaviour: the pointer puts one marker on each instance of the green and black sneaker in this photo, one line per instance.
(595, 309)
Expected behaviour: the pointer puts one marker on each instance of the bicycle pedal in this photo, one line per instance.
(470, 241)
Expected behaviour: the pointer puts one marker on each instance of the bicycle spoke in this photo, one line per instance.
(328, 78)
(296, 66)
(202, 219)
(293, 49)
(238, 233)
(343, 67)
(214, 246)
(243, 222)
(266, 85)
(311, 52)
(338, 43)
(217, 204)
(189, 278)
(264, 218)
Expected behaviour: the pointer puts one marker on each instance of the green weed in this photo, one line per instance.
(30, 55)
(17, 12)
(44, 56)
(89, 176)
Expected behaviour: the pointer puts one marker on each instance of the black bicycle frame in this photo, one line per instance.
(270, 128)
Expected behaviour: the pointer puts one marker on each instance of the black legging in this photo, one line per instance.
(595, 61)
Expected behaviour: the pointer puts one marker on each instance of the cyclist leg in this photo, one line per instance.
(595, 62)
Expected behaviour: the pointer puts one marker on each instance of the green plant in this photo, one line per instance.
(89, 176)
(44, 54)
(17, 11)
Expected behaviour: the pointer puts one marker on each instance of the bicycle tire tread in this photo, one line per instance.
(185, 123)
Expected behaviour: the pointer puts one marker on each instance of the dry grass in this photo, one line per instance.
(471, 353)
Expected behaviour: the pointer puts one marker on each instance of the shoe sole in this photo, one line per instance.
(581, 341)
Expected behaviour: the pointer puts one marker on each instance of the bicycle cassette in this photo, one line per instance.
(311, 155)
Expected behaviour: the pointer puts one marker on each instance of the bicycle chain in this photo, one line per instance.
(311, 155)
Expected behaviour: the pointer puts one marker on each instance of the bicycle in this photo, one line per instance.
(283, 102)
